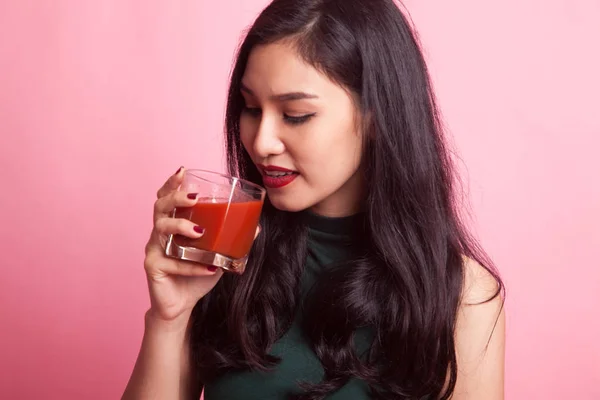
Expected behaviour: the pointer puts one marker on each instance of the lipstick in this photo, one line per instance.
(275, 177)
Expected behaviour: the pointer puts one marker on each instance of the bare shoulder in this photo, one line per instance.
(479, 284)
(480, 336)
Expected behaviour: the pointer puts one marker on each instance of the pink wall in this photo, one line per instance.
(102, 100)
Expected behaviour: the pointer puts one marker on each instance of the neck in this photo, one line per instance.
(347, 200)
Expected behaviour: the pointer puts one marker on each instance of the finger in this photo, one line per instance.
(171, 184)
(158, 266)
(186, 268)
(165, 205)
(178, 226)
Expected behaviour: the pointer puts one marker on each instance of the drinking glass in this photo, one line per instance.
(228, 209)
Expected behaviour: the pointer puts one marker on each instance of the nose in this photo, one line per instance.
(267, 141)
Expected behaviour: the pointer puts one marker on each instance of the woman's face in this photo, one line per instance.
(301, 131)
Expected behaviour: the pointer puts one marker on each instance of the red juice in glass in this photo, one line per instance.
(229, 227)
(228, 210)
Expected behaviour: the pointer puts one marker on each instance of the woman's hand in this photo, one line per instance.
(175, 286)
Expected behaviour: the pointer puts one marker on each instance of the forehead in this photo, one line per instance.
(277, 68)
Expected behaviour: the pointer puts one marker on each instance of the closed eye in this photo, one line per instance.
(297, 120)
(292, 120)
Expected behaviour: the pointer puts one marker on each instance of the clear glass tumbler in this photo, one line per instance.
(228, 209)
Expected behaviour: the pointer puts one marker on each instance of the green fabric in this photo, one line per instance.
(330, 241)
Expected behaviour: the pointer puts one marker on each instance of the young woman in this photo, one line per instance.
(363, 282)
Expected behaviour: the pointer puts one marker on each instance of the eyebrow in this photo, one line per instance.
(284, 96)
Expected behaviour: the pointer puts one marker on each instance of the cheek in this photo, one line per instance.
(328, 159)
(336, 148)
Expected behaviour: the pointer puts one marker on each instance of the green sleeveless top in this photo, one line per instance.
(331, 240)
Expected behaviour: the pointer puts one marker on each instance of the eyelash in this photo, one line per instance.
(255, 112)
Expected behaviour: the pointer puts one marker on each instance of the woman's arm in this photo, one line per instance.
(480, 337)
(163, 370)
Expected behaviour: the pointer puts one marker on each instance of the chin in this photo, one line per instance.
(287, 203)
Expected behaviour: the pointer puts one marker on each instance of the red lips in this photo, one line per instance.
(276, 182)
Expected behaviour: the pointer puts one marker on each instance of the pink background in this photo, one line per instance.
(101, 100)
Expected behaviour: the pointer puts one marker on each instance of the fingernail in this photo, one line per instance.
(199, 230)
(192, 196)
(211, 268)
(178, 171)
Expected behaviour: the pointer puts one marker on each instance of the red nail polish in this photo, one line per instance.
(197, 229)
(211, 268)
(192, 196)
(178, 171)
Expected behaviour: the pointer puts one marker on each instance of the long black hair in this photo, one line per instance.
(407, 286)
